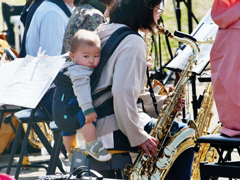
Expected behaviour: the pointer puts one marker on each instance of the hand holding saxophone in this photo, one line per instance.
(150, 144)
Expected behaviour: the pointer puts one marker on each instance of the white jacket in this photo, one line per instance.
(126, 72)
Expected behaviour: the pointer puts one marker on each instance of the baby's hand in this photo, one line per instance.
(91, 117)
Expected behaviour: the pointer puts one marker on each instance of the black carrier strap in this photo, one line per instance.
(152, 93)
(106, 108)
(62, 5)
(107, 51)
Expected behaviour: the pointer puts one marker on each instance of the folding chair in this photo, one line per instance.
(225, 167)
(32, 117)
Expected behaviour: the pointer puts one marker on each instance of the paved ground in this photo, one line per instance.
(34, 173)
(31, 173)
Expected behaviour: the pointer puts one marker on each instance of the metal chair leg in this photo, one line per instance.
(55, 154)
(24, 146)
(48, 146)
(14, 148)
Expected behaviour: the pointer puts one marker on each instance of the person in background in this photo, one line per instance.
(85, 16)
(26, 17)
(88, 17)
(46, 32)
(225, 64)
(47, 28)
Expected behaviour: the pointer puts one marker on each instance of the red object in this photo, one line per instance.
(225, 65)
(6, 177)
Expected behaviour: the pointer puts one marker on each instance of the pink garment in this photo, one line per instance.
(6, 177)
(225, 64)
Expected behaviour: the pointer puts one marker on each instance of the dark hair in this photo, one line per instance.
(134, 13)
(105, 2)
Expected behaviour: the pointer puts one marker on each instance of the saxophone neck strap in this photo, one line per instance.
(152, 93)
(96, 4)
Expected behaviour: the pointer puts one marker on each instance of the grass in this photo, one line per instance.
(199, 9)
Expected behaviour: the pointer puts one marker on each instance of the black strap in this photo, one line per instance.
(141, 101)
(96, 4)
(97, 95)
(107, 51)
(152, 93)
(62, 5)
(105, 109)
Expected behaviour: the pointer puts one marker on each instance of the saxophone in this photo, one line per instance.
(156, 85)
(205, 153)
(34, 140)
(169, 147)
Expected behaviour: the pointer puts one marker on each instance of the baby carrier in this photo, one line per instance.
(66, 115)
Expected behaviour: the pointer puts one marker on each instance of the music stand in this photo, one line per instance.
(159, 73)
(188, 4)
(205, 29)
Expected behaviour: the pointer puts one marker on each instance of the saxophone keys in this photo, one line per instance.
(164, 106)
(168, 152)
(145, 157)
(171, 94)
(160, 135)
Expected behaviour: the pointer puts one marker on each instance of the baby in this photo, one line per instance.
(85, 56)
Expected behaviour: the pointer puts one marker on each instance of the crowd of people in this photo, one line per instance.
(80, 28)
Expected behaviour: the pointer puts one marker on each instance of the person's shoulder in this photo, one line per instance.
(134, 39)
(49, 8)
(89, 10)
(86, 17)
(134, 43)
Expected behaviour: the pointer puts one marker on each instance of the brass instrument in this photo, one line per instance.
(156, 84)
(169, 147)
(161, 89)
(210, 154)
(205, 114)
(148, 40)
(202, 122)
(206, 153)
(34, 140)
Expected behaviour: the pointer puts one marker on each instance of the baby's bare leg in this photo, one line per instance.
(70, 141)
(89, 132)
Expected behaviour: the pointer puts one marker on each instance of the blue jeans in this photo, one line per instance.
(80, 117)
(181, 169)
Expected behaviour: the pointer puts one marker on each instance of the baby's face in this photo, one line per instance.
(87, 56)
